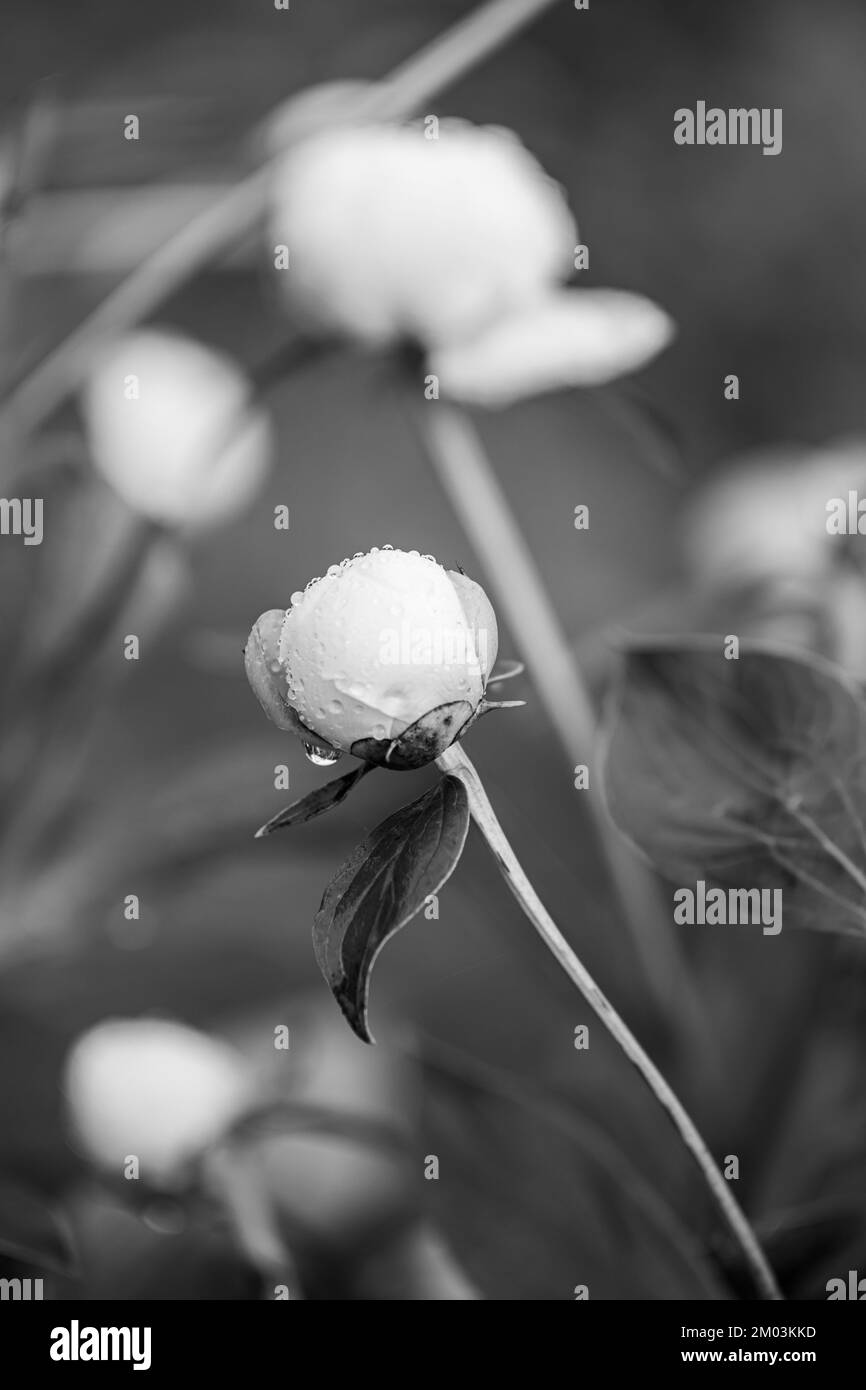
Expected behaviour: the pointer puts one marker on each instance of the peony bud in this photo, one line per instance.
(385, 643)
(393, 235)
(171, 428)
(152, 1089)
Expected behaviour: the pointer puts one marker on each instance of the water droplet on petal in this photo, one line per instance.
(379, 731)
(319, 757)
(297, 597)
(336, 707)
(333, 571)
(387, 547)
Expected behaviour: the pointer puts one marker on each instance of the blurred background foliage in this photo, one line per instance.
(758, 260)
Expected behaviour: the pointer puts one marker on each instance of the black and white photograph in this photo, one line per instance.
(432, 669)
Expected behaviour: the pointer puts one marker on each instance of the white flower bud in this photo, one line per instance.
(392, 235)
(378, 643)
(153, 1089)
(171, 428)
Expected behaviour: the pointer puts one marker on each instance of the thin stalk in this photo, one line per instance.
(455, 762)
(469, 481)
(234, 215)
(233, 1182)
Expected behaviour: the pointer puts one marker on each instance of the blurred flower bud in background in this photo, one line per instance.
(765, 531)
(170, 426)
(350, 1183)
(378, 643)
(155, 1090)
(766, 517)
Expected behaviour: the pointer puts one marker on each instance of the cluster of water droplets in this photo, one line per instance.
(361, 561)
(334, 571)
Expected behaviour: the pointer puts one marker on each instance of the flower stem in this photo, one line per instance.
(232, 1180)
(234, 215)
(455, 762)
(464, 471)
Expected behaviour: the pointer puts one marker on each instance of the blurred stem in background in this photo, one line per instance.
(460, 462)
(248, 1208)
(455, 762)
(235, 215)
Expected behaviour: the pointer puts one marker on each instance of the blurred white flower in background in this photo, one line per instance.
(396, 236)
(374, 645)
(170, 426)
(578, 337)
(460, 245)
(762, 527)
(766, 517)
(154, 1089)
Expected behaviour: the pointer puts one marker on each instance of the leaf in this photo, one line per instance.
(381, 886)
(31, 1232)
(808, 1245)
(315, 803)
(421, 743)
(747, 771)
(540, 1198)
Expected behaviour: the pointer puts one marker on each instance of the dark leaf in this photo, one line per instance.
(315, 803)
(807, 1246)
(126, 1258)
(380, 888)
(487, 705)
(538, 1198)
(31, 1232)
(421, 743)
(747, 772)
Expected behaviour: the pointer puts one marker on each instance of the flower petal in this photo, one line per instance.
(570, 338)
